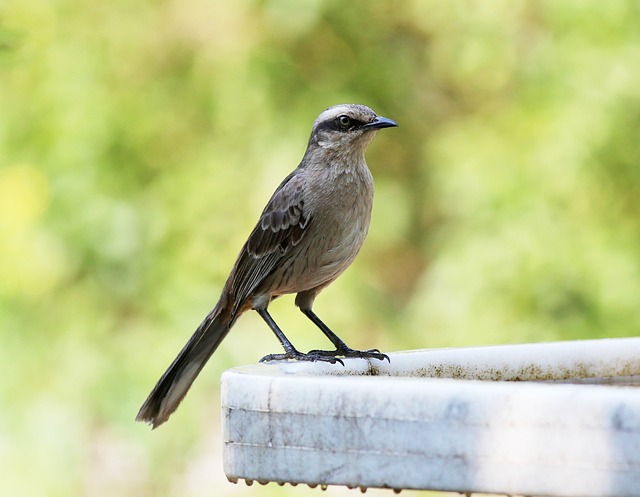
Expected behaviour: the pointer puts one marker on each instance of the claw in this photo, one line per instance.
(348, 352)
(299, 356)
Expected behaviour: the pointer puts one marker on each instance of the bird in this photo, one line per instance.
(310, 231)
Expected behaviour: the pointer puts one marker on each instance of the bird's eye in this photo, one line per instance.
(344, 121)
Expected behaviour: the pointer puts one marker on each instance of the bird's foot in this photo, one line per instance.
(349, 352)
(299, 356)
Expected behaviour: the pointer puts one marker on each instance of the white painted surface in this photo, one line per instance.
(408, 427)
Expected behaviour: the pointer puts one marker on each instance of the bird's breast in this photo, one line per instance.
(340, 222)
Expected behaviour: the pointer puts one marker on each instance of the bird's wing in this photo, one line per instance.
(283, 223)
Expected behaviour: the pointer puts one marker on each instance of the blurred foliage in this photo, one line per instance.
(139, 141)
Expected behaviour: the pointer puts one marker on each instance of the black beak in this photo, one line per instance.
(380, 122)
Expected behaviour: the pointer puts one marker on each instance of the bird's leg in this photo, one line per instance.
(341, 348)
(290, 352)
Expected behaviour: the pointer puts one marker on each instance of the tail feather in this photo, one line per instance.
(177, 379)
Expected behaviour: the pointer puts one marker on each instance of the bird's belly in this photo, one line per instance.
(325, 258)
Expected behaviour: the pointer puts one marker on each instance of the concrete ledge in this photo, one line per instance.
(426, 421)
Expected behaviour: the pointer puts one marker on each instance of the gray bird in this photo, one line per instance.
(310, 232)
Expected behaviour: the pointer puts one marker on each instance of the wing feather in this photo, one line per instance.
(282, 225)
(283, 221)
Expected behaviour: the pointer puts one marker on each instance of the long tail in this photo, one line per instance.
(177, 379)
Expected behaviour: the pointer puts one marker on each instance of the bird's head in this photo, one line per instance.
(347, 129)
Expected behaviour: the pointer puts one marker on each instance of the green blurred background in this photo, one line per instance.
(140, 139)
